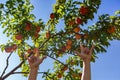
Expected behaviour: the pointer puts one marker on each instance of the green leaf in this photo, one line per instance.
(1, 5)
(117, 12)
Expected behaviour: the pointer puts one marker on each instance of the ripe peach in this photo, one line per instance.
(38, 29)
(68, 47)
(36, 35)
(78, 36)
(14, 46)
(63, 48)
(77, 29)
(65, 68)
(52, 15)
(71, 23)
(69, 42)
(59, 75)
(27, 27)
(111, 30)
(78, 20)
(48, 35)
(19, 36)
(83, 10)
(29, 50)
(8, 49)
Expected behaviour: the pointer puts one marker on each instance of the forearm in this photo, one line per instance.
(86, 75)
(33, 74)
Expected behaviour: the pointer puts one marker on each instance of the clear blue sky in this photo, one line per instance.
(106, 67)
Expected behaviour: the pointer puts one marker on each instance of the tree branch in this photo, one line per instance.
(48, 75)
(51, 37)
(7, 64)
(26, 72)
(12, 71)
(59, 62)
(56, 60)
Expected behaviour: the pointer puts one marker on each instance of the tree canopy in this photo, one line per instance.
(20, 25)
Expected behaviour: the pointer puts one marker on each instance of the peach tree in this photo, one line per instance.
(21, 26)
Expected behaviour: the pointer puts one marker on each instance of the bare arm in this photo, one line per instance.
(86, 56)
(34, 62)
(33, 74)
(86, 74)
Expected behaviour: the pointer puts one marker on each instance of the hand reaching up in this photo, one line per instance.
(35, 60)
(85, 53)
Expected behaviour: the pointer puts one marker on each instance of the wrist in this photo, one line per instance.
(86, 63)
(33, 73)
(86, 60)
(34, 68)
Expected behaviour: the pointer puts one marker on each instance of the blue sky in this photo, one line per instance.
(106, 67)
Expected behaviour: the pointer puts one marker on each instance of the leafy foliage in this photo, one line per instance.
(20, 25)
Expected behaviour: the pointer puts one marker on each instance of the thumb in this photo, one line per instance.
(41, 60)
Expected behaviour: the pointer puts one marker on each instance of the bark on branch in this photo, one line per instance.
(12, 71)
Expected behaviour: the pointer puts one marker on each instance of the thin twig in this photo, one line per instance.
(56, 60)
(7, 64)
(59, 62)
(48, 75)
(12, 71)
(49, 39)
(26, 72)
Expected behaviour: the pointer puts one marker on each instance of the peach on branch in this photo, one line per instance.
(18, 36)
(68, 47)
(14, 46)
(78, 36)
(28, 27)
(8, 49)
(71, 23)
(59, 75)
(111, 30)
(29, 50)
(63, 48)
(69, 42)
(78, 20)
(48, 35)
(64, 68)
(52, 15)
(77, 29)
(37, 29)
(83, 10)
(36, 35)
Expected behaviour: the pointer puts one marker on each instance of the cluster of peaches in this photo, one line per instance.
(78, 21)
(10, 48)
(76, 29)
(73, 74)
(34, 30)
(28, 28)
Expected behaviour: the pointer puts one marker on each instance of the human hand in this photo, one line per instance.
(86, 53)
(35, 60)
